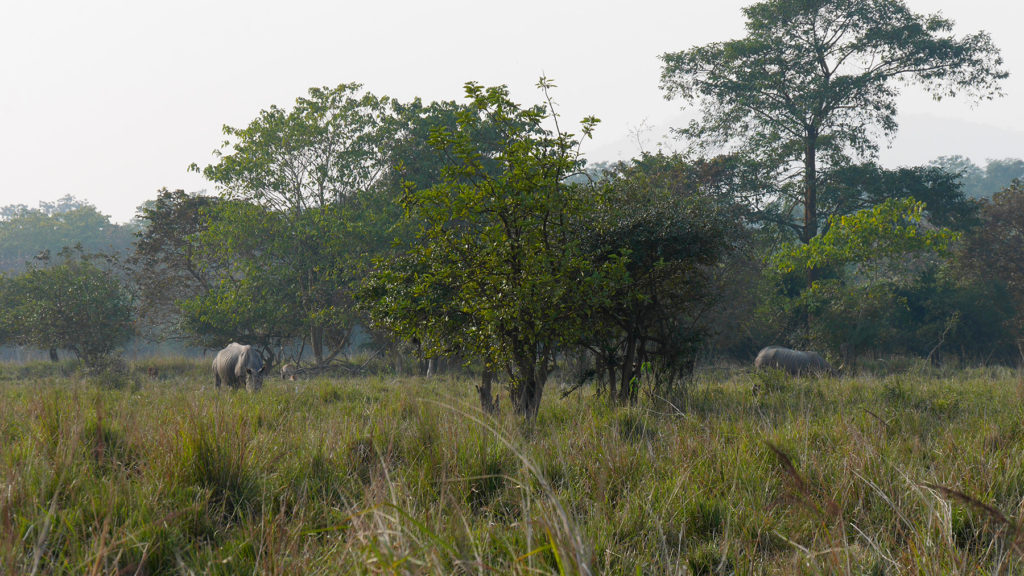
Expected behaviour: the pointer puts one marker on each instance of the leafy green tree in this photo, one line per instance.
(495, 270)
(74, 305)
(324, 149)
(945, 312)
(815, 82)
(167, 266)
(861, 261)
(418, 163)
(668, 224)
(851, 188)
(994, 252)
(250, 295)
(314, 171)
(26, 233)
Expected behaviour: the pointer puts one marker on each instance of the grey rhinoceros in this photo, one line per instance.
(792, 361)
(238, 365)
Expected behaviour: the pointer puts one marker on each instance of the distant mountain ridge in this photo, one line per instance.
(921, 139)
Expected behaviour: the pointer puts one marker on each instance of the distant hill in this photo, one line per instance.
(921, 139)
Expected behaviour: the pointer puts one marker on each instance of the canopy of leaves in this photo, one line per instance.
(495, 269)
(994, 251)
(246, 294)
(74, 305)
(27, 233)
(327, 147)
(167, 265)
(851, 188)
(816, 81)
(668, 224)
(869, 239)
(866, 263)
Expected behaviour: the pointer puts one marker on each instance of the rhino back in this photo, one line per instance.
(228, 363)
(792, 361)
(766, 358)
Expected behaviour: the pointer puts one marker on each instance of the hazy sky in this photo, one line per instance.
(110, 101)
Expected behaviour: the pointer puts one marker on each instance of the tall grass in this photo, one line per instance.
(920, 473)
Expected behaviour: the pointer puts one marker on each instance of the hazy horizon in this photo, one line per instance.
(111, 101)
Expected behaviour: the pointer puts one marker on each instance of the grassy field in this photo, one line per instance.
(913, 473)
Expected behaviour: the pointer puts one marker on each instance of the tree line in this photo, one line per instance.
(476, 229)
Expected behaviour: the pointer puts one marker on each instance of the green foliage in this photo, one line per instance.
(167, 266)
(851, 188)
(495, 270)
(307, 210)
(27, 234)
(669, 225)
(859, 266)
(249, 298)
(993, 252)
(816, 83)
(871, 239)
(327, 147)
(75, 305)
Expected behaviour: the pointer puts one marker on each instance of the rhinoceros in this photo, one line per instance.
(792, 361)
(238, 365)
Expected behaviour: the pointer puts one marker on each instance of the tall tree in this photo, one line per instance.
(669, 224)
(815, 82)
(496, 270)
(167, 266)
(316, 167)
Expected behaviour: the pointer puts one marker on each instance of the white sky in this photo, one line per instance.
(111, 100)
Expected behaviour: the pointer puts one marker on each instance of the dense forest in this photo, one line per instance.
(477, 230)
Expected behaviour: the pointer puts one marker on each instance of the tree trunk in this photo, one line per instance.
(810, 187)
(316, 341)
(488, 403)
(638, 365)
(611, 380)
(628, 371)
(530, 386)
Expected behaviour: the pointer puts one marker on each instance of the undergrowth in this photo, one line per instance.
(919, 473)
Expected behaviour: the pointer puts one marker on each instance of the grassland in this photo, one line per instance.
(914, 473)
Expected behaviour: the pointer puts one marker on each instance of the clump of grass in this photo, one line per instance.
(708, 560)
(635, 426)
(770, 381)
(110, 371)
(217, 462)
